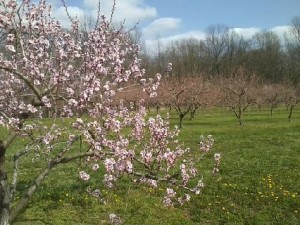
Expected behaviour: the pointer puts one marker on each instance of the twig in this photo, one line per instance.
(98, 14)
(112, 11)
(67, 11)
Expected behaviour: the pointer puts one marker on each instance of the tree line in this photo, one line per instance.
(223, 51)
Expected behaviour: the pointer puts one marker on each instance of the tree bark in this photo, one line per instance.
(4, 189)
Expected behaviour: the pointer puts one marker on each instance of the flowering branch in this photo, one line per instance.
(26, 80)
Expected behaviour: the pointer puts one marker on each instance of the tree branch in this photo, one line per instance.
(25, 79)
(24, 201)
(16, 170)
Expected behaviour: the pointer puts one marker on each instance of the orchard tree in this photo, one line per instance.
(239, 92)
(183, 94)
(272, 95)
(77, 75)
(291, 98)
(205, 94)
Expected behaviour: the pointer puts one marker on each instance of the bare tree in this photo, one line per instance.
(185, 56)
(236, 55)
(293, 51)
(217, 38)
(266, 57)
(295, 29)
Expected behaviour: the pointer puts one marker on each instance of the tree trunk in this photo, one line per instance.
(271, 111)
(5, 200)
(240, 121)
(157, 109)
(193, 112)
(192, 115)
(239, 115)
(290, 113)
(181, 120)
(4, 189)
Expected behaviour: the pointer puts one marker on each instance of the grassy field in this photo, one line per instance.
(259, 180)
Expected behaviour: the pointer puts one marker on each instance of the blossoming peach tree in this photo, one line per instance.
(71, 77)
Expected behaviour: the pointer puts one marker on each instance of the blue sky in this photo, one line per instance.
(168, 20)
(199, 14)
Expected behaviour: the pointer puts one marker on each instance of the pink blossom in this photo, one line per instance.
(171, 193)
(109, 179)
(95, 167)
(46, 101)
(11, 48)
(217, 157)
(168, 199)
(146, 156)
(110, 165)
(31, 108)
(84, 176)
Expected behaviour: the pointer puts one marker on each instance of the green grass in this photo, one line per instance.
(258, 181)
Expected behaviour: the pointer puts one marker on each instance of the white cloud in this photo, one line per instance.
(161, 26)
(251, 31)
(132, 11)
(246, 32)
(281, 31)
(61, 15)
(151, 44)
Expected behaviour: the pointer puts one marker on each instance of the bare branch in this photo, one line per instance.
(67, 11)
(98, 14)
(113, 11)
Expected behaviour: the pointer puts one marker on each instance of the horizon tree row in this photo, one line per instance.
(223, 52)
